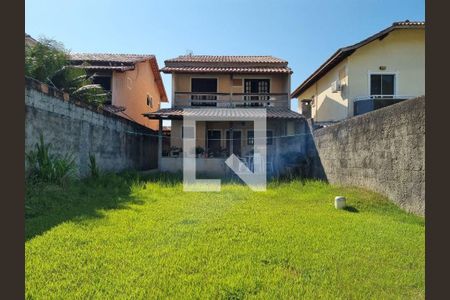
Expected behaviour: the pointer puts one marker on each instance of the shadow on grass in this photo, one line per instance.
(47, 206)
(351, 209)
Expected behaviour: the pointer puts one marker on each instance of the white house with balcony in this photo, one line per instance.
(231, 88)
(381, 70)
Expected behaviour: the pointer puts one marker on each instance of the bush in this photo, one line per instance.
(43, 167)
(93, 167)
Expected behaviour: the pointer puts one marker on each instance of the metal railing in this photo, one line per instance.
(365, 104)
(394, 97)
(229, 100)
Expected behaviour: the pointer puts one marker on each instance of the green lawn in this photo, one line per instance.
(118, 237)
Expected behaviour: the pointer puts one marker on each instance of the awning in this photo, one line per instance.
(222, 113)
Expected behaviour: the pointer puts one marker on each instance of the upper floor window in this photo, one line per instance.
(382, 84)
(201, 88)
(256, 87)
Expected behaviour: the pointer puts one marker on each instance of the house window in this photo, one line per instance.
(213, 142)
(251, 137)
(201, 88)
(256, 86)
(149, 101)
(382, 84)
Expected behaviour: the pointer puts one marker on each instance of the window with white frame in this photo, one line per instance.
(382, 85)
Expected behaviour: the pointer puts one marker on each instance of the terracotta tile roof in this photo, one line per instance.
(110, 57)
(178, 113)
(344, 52)
(409, 23)
(225, 70)
(263, 59)
(225, 64)
(115, 68)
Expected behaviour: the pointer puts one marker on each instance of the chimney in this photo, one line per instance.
(306, 108)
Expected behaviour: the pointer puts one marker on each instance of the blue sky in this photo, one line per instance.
(303, 32)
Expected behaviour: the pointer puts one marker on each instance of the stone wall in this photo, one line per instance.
(383, 150)
(74, 127)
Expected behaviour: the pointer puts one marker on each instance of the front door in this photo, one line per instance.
(236, 142)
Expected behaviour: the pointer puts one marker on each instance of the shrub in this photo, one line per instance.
(43, 167)
(93, 167)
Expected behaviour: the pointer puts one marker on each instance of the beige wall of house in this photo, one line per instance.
(130, 89)
(402, 52)
(279, 83)
(329, 106)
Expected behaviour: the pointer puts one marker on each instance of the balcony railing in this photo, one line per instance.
(228, 100)
(369, 103)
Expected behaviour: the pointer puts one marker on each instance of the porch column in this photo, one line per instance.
(160, 128)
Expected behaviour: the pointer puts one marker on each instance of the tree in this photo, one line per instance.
(48, 61)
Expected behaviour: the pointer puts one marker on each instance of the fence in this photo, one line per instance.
(74, 127)
(383, 150)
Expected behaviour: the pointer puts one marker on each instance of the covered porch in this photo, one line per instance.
(215, 141)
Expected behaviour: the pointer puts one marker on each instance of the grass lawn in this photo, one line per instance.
(119, 237)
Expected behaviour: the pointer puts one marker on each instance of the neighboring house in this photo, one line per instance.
(225, 86)
(29, 41)
(133, 83)
(381, 70)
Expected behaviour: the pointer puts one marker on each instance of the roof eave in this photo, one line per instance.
(335, 59)
(158, 80)
(346, 51)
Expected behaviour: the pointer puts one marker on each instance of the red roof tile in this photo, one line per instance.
(226, 64)
(266, 59)
(226, 70)
(110, 57)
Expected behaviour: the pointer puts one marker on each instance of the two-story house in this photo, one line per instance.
(381, 70)
(132, 81)
(223, 86)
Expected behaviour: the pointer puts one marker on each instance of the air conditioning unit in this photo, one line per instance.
(336, 86)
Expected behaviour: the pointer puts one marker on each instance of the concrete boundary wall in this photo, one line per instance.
(73, 127)
(383, 150)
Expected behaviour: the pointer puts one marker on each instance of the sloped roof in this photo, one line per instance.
(29, 40)
(226, 64)
(344, 52)
(110, 57)
(264, 59)
(225, 70)
(118, 62)
(178, 113)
